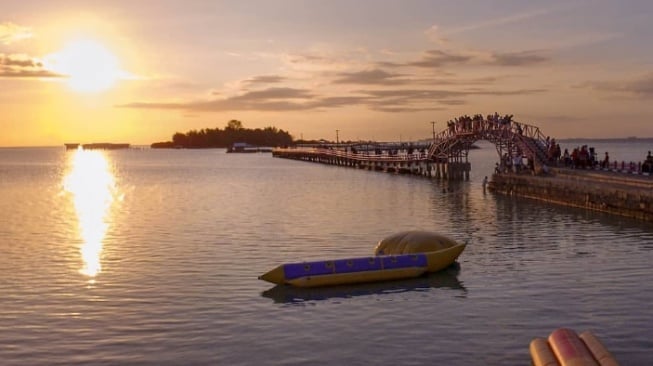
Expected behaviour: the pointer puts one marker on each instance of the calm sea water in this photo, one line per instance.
(151, 257)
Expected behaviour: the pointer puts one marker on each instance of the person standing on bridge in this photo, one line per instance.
(647, 167)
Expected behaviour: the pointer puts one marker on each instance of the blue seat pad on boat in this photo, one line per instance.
(350, 265)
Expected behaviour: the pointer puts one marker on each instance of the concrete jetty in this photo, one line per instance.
(629, 195)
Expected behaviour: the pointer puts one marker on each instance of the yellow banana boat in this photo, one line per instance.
(403, 255)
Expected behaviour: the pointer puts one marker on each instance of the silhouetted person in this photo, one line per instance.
(606, 161)
(647, 167)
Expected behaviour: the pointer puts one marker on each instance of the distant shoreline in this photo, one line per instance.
(607, 139)
(565, 140)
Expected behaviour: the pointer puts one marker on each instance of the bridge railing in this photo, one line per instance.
(367, 156)
(445, 142)
(358, 156)
(532, 132)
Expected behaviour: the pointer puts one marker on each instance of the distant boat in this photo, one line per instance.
(105, 146)
(243, 147)
(98, 145)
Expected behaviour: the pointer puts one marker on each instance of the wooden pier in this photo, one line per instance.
(446, 157)
(386, 161)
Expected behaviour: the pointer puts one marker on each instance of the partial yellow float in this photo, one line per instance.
(565, 348)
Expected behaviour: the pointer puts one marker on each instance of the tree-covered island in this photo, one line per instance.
(224, 138)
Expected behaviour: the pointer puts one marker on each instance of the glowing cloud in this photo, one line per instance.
(10, 33)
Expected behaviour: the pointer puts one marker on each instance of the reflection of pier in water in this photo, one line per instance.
(447, 278)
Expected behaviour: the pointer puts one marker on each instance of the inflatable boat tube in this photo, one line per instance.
(400, 256)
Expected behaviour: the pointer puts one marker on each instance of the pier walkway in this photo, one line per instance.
(446, 157)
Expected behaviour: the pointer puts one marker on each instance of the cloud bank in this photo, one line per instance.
(641, 87)
(22, 66)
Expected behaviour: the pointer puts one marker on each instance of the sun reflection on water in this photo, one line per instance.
(92, 185)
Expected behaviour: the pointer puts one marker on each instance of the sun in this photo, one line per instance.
(88, 65)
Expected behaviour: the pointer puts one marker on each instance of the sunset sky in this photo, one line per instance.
(138, 71)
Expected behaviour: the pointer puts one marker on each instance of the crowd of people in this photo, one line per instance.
(581, 157)
(476, 123)
(584, 157)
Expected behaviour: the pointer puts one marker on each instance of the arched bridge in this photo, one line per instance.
(443, 157)
(511, 138)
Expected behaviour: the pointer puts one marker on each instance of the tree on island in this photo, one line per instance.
(233, 132)
(234, 124)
